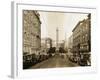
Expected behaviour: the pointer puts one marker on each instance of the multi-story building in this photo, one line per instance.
(31, 32)
(70, 44)
(43, 45)
(70, 47)
(82, 38)
(76, 38)
(48, 43)
(85, 37)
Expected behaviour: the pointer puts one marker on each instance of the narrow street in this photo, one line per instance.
(55, 61)
(51, 40)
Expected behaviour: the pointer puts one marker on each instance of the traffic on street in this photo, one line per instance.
(56, 39)
(55, 61)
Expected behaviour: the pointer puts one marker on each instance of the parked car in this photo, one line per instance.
(73, 58)
(85, 60)
(82, 62)
(34, 59)
(27, 61)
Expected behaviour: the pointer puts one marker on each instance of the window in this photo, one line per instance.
(86, 35)
(86, 26)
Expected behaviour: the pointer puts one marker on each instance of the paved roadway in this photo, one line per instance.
(55, 61)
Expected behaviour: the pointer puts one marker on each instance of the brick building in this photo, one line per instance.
(31, 32)
(82, 38)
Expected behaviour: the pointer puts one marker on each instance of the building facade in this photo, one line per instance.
(31, 32)
(43, 45)
(76, 38)
(48, 43)
(85, 37)
(70, 44)
(82, 38)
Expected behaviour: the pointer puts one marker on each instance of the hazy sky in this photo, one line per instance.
(64, 21)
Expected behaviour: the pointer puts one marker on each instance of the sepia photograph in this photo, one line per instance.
(55, 39)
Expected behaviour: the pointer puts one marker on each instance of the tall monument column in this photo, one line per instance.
(57, 39)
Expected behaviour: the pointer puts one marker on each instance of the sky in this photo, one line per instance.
(65, 22)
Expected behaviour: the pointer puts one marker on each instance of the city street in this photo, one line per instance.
(47, 44)
(55, 61)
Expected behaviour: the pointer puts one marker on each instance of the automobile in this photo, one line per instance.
(85, 61)
(71, 57)
(34, 59)
(53, 54)
(27, 61)
(82, 62)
